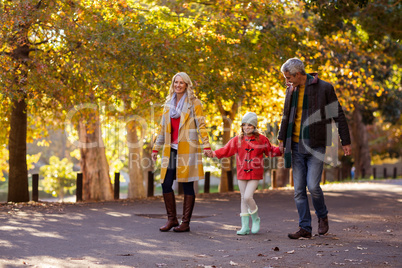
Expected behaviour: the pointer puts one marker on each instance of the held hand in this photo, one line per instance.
(208, 153)
(154, 156)
(347, 149)
(281, 146)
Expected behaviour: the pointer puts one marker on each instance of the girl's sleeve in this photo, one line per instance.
(229, 149)
(275, 151)
(271, 151)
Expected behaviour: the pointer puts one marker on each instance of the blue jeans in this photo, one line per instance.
(307, 170)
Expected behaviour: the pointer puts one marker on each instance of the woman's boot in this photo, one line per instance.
(170, 204)
(256, 221)
(188, 205)
(245, 228)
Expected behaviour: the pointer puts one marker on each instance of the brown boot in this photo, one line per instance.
(188, 206)
(170, 204)
(301, 233)
(323, 225)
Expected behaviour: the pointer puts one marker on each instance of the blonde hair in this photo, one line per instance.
(190, 91)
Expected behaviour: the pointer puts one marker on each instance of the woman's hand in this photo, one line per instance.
(208, 153)
(154, 156)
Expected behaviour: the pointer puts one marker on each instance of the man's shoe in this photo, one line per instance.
(323, 225)
(301, 233)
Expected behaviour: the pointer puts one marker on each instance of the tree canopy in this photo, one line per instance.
(120, 56)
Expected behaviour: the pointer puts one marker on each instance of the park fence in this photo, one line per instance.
(279, 178)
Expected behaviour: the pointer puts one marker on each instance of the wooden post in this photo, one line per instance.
(291, 182)
(395, 173)
(363, 173)
(150, 183)
(207, 182)
(323, 176)
(374, 173)
(385, 173)
(78, 191)
(35, 186)
(230, 180)
(273, 178)
(116, 186)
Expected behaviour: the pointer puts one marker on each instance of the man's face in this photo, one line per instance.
(292, 79)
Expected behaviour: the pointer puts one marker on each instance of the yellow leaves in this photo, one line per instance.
(380, 91)
(43, 143)
(32, 160)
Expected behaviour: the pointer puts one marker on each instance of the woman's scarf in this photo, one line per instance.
(175, 111)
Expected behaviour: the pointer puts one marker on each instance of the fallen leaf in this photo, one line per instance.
(290, 252)
(233, 263)
(275, 249)
(276, 258)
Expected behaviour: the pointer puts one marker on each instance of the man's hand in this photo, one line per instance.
(281, 146)
(347, 149)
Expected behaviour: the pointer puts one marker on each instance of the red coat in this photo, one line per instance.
(249, 155)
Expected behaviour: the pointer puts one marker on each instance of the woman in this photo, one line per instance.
(182, 125)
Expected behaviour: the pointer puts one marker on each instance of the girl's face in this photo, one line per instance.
(248, 129)
(179, 85)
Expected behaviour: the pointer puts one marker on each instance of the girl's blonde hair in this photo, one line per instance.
(190, 91)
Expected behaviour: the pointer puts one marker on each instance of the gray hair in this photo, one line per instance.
(293, 66)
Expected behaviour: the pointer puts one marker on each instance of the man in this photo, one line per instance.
(310, 105)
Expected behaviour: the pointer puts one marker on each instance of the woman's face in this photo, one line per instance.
(248, 129)
(179, 85)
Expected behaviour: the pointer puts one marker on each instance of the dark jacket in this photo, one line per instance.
(323, 106)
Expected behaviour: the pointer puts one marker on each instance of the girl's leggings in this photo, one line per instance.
(247, 189)
(188, 187)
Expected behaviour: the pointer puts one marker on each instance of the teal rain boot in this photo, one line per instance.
(256, 221)
(245, 229)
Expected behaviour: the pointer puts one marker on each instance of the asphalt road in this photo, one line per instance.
(365, 231)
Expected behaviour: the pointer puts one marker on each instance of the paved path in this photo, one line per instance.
(364, 232)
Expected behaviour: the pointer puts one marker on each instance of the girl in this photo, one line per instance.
(249, 146)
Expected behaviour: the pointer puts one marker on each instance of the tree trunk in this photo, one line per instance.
(17, 145)
(226, 162)
(149, 165)
(137, 164)
(94, 165)
(360, 147)
(227, 117)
